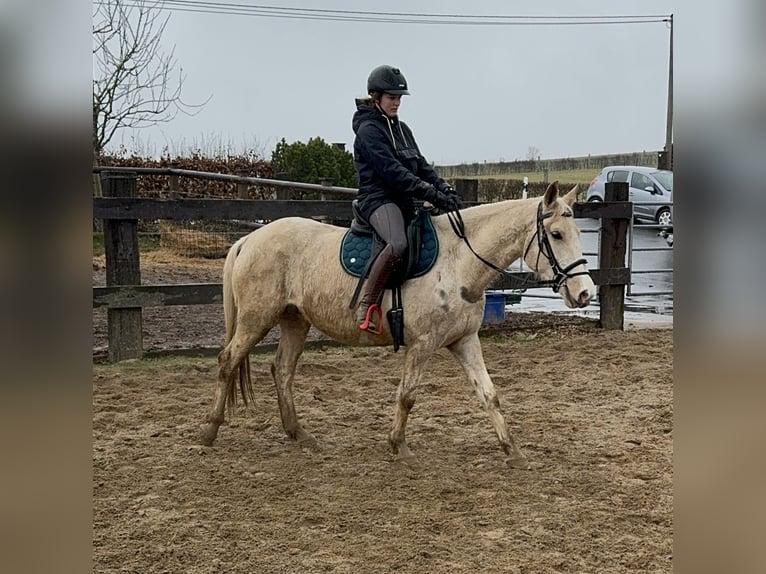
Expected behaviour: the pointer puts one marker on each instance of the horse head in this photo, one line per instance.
(554, 251)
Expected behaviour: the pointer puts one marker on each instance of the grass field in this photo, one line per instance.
(579, 176)
(145, 243)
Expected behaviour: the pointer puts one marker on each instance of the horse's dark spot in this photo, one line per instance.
(469, 296)
(442, 293)
(496, 402)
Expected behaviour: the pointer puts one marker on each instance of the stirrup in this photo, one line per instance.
(369, 325)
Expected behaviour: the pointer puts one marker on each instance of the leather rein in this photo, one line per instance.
(560, 274)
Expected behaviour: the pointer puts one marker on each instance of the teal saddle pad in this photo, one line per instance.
(355, 250)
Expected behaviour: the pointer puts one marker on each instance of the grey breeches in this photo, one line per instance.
(388, 222)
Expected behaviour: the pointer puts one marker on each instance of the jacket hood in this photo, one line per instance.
(365, 113)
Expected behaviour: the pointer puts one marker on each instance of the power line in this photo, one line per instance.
(410, 14)
(238, 9)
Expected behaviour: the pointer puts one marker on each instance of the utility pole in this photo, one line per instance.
(669, 121)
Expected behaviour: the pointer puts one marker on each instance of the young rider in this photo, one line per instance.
(392, 174)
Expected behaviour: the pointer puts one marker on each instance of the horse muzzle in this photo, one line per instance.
(581, 293)
(584, 298)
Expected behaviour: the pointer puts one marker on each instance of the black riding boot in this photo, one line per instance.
(369, 317)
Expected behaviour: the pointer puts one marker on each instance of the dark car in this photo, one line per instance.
(648, 187)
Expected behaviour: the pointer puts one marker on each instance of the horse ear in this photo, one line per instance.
(571, 197)
(551, 194)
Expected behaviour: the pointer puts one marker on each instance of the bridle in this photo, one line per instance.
(560, 274)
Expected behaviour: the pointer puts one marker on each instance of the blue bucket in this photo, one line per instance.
(494, 309)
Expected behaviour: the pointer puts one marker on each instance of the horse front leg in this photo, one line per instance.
(468, 352)
(415, 360)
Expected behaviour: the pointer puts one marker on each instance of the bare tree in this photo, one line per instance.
(134, 82)
(533, 153)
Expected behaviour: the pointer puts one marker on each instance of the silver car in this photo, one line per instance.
(648, 187)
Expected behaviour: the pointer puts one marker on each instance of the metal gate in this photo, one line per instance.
(655, 265)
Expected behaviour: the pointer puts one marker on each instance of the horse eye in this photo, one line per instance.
(556, 234)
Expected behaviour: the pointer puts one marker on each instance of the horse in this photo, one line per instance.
(288, 273)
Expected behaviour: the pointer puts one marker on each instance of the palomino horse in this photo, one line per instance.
(288, 273)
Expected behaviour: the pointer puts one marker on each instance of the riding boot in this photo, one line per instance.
(369, 317)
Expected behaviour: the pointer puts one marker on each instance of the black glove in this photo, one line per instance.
(449, 190)
(440, 200)
(456, 200)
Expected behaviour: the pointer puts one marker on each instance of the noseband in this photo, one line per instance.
(560, 274)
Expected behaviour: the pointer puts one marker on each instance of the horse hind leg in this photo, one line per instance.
(229, 361)
(293, 328)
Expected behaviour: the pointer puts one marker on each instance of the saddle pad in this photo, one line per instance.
(355, 250)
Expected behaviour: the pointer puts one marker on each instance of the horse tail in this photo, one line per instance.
(230, 321)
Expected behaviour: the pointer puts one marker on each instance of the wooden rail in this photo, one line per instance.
(124, 296)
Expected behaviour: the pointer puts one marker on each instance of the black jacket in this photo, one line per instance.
(388, 162)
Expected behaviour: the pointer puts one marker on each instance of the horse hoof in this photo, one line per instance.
(209, 434)
(409, 460)
(520, 463)
(404, 456)
(305, 440)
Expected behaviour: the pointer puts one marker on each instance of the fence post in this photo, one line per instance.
(612, 250)
(174, 184)
(122, 268)
(283, 193)
(327, 182)
(242, 187)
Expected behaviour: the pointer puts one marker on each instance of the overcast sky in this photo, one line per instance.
(479, 93)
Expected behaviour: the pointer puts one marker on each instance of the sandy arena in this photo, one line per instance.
(592, 410)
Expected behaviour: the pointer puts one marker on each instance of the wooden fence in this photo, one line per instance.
(120, 210)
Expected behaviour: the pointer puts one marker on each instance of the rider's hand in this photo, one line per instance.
(449, 190)
(456, 200)
(445, 202)
(440, 200)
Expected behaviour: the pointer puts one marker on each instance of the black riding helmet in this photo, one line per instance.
(387, 79)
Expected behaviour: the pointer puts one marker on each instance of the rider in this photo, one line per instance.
(392, 174)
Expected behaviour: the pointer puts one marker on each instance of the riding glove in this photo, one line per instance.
(449, 190)
(443, 201)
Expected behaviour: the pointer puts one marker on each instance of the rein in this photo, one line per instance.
(560, 274)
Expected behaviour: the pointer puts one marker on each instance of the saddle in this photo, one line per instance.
(361, 245)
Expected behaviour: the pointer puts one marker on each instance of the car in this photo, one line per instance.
(647, 185)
